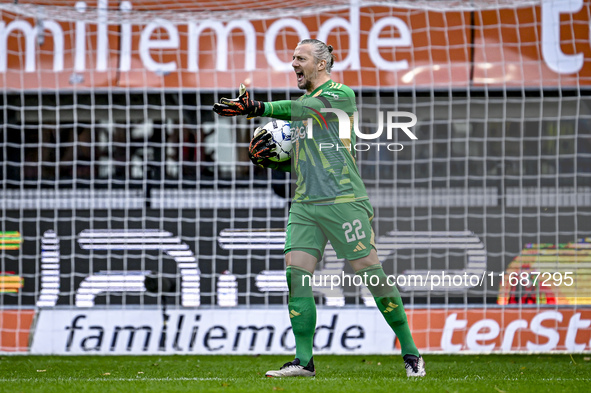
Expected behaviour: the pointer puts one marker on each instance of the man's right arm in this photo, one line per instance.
(282, 110)
(278, 110)
(294, 110)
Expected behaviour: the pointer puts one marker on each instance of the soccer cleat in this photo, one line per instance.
(294, 369)
(415, 366)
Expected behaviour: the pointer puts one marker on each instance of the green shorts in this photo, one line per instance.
(346, 225)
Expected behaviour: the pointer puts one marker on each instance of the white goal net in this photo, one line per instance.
(132, 220)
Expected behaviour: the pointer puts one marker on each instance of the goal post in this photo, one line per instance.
(124, 199)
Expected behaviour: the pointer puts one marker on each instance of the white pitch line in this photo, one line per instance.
(108, 379)
(318, 379)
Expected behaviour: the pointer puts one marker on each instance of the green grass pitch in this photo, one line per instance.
(373, 373)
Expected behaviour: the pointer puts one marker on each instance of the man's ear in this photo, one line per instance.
(322, 65)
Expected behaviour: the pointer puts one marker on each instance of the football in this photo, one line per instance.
(281, 134)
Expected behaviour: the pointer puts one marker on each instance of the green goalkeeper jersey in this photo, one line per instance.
(324, 164)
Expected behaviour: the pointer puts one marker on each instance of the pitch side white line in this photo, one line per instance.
(109, 379)
(319, 379)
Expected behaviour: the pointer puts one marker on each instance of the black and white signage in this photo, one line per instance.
(221, 331)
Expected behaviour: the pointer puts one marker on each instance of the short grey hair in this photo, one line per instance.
(320, 51)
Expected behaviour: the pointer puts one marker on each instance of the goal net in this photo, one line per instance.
(132, 220)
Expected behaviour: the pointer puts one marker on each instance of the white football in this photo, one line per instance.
(281, 133)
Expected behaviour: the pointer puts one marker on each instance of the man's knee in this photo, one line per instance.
(365, 262)
(301, 259)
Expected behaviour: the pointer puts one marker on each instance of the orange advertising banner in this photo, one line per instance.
(502, 330)
(376, 47)
(15, 327)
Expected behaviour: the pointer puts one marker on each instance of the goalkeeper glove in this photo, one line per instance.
(243, 105)
(260, 147)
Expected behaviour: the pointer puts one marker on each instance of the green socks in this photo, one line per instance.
(390, 305)
(302, 311)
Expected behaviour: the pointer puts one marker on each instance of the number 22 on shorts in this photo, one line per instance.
(349, 227)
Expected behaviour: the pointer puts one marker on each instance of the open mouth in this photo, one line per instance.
(300, 76)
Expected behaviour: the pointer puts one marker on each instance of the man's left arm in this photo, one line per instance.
(259, 151)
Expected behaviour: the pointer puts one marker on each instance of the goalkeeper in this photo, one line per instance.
(330, 201)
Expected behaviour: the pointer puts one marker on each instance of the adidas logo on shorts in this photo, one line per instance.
(359, 247)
